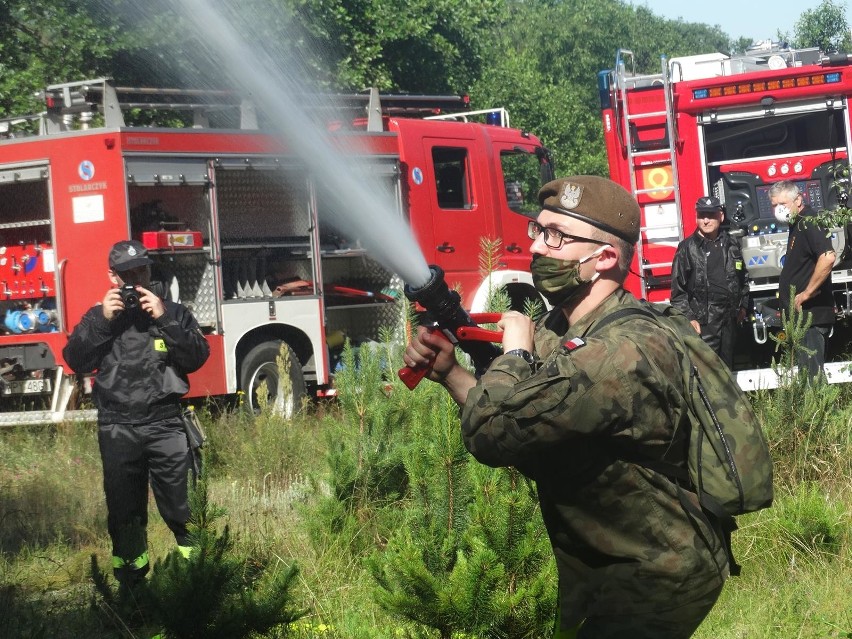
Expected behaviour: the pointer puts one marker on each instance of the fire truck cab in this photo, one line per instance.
(234, 222)
(730, 127)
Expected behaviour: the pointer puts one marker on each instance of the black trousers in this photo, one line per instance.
(133, 455)
(718, 332)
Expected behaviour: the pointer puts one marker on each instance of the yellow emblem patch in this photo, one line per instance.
(160, 346)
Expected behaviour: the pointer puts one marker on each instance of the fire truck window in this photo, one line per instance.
(451, 177)
(521, 181)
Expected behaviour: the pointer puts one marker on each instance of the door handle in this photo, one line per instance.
(446, 247)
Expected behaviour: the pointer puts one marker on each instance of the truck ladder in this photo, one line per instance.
(74, 105)
(665, 153)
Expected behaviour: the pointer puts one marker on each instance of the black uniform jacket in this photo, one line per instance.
(690, 290)
(142, 364)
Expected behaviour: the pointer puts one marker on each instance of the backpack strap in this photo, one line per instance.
(621, 314)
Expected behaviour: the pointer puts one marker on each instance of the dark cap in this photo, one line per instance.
(596, 201)
(128, 254)
(708, 204)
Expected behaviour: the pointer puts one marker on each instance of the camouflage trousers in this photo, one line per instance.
(679, 622)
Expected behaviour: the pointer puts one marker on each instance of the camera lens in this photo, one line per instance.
(129, 296)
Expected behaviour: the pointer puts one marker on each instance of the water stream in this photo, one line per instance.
(361, 208)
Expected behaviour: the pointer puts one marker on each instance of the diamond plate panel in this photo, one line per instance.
(261, 205)
(196, 283)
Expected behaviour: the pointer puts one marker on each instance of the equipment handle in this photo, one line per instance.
(477, 334)
(411, 375)
(486, 318)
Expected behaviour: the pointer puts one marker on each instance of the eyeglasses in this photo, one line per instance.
(554, 238)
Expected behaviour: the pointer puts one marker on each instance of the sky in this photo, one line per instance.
(757, 19)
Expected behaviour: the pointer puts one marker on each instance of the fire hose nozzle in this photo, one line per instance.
(444, 311)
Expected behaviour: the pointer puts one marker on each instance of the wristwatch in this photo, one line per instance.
(523, 353)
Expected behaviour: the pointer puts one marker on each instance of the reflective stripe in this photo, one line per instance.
(185, 551)
(140, 562)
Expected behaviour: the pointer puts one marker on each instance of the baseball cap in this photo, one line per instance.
(708, 204)
(128, 254)
(595, 200)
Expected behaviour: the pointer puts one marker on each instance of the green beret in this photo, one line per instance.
(596, 201)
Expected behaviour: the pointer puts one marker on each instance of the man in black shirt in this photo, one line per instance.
(709, 280)
(142, 347)
(807, 267)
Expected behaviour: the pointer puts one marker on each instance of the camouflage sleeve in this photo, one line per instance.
(512, 414)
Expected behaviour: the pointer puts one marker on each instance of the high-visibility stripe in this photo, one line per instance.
(140, 562)
(185, 551)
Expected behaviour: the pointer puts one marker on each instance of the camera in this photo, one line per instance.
(130, 296)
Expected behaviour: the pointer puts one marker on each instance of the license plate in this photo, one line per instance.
(26, 387)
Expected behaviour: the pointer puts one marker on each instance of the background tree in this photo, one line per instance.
(824, 27)
(538, 58)
(45, 42)
(421, 46)
(544, 61)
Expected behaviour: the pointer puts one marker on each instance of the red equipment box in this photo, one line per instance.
(171, 239)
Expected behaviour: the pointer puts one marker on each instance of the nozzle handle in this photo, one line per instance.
(411, 375)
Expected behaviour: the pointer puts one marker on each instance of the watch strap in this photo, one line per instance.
(523, 353)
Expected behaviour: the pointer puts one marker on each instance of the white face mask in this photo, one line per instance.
(782, 213)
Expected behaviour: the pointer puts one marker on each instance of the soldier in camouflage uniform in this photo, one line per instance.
(567, 405)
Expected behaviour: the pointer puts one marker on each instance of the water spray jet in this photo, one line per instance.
(361, 209)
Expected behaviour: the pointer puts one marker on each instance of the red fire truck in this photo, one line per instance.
(236, 227)
(730, 127)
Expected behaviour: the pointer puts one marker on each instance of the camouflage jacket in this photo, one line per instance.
(619, 532)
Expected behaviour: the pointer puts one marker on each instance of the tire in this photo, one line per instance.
(260, 365)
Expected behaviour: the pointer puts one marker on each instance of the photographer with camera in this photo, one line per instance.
(142, 347)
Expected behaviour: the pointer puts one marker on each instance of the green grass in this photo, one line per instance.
(272, 478)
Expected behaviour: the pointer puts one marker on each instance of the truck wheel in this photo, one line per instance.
(260, 365)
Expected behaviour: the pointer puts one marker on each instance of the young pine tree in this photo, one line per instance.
(212, 593)
(473, 557)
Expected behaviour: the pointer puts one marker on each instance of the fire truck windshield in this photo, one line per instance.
(772, 136)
